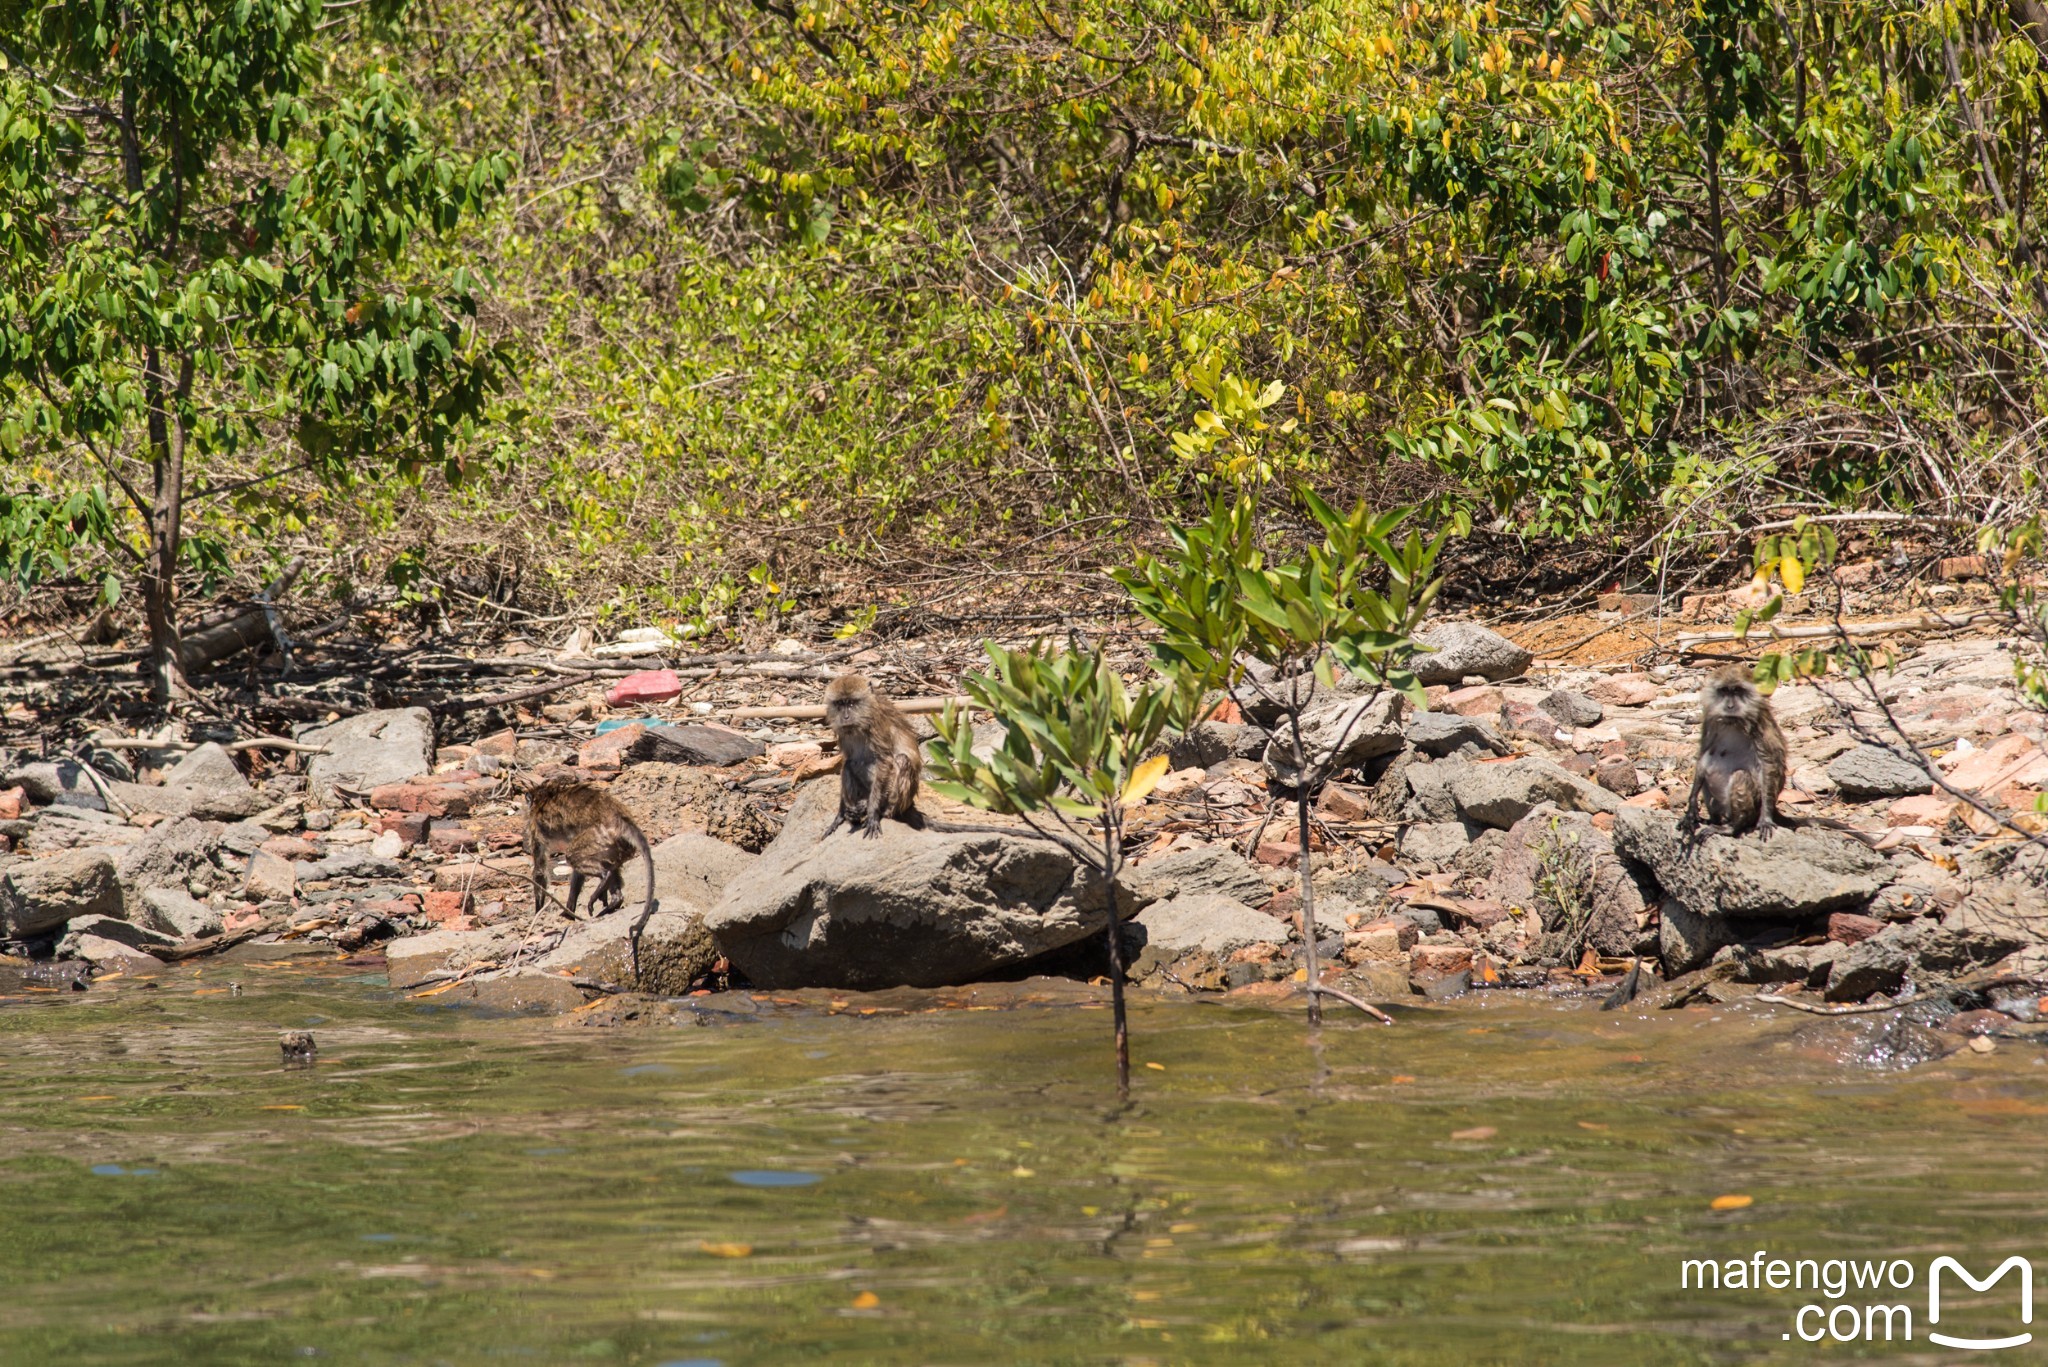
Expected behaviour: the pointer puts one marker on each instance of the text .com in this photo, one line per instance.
(1883, 1300)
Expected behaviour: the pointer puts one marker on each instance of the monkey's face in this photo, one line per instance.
(1729, 699)
(846, 701)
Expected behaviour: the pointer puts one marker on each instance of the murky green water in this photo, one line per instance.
(954, 1186)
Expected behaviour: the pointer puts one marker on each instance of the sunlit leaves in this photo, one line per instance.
(1073, 734)
(252, 291)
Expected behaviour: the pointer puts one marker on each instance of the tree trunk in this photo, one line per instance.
(166, 512)
(1111, 858)
(1714, 218)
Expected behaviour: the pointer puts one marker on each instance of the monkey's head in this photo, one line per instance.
(1731, 698)
(846, 700)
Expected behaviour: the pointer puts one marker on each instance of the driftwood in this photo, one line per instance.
(212, 944)
(1923, 621)
(252, 743)
(816, 711)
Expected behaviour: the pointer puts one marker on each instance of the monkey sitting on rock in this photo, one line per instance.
(881, 759)
(1741, 764)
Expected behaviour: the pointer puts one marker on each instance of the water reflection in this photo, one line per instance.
(1499, 1181)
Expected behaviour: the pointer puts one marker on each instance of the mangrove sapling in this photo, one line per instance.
(1220, 605)
(1069, 766)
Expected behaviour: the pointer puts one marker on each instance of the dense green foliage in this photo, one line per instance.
(917, 284)
(196, 240)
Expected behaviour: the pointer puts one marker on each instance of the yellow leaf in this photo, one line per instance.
(866, 1300)
(1145, 778)
(1159, 1066)
(717, 1250)
(1793, 573)
(1732, 1202)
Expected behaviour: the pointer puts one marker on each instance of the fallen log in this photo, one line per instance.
(253, 625)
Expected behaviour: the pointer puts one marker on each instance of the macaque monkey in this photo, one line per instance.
(1741, 764)
(881, 759)
(599, 837)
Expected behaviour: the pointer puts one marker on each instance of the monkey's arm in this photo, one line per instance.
(1692, 799)
(1766, 813)
(849, 798)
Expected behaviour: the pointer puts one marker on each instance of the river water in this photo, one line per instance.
(946, 1178)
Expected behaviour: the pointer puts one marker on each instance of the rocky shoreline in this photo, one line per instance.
(1519, 833)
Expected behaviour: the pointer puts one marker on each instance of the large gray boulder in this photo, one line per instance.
(1501, 794)
(1460, 649)
(1338, 734)
(368, 749)
(1201, 922)
(177, 854)
(1440, 734)
(72, 828)
(1871, 771)
(41, 894)
(675, 950)
(1200, 871)
(61, 782)
(176, 913)
(914, 908)
(692, 870)
(1561, 867)
(1797, 874)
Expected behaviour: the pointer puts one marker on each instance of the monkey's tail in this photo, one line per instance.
(1625, 991)
(646, 905)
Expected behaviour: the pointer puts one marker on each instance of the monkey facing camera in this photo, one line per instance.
(881, 759)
